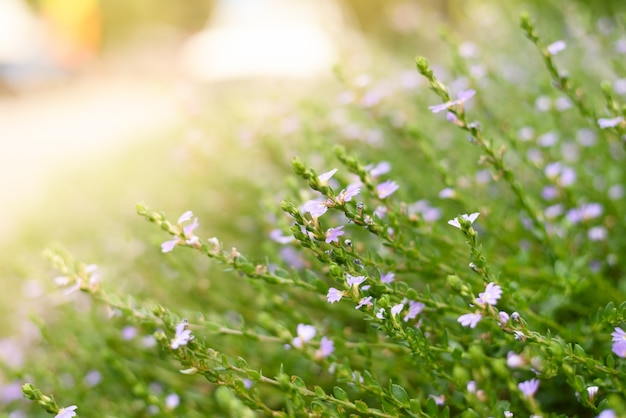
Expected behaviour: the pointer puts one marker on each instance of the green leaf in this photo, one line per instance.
(340, 394)
(361, 406)
(400, 394)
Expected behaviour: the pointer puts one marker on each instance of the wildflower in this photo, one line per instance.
(470, 319)
(387, 277)
(592, 391)
(597, 233)
(469, 218)
(508, 414)
(529, 387)
(305, 334)
(604, 123)
(333, 234)
(584, 212)
(396, 309)
(172, 401)
(490, 296)
(463, 96)
(366, 301)
(504, 317)
(187, 230)
(183, 335)
(607, 413)
(514, 360)
(618, 335)
(414, 309)
(439, 399)
(556, 47)
(327, 346)
(67, 412)
(334, 295)
(519, 335)
(323, 178)
(447, 193)
(619, 348)
(349, 192)
(380, 211)
(381, 313)
(385, 189)
(354, 280)
(277, 236)
(379, 169)
(316, 207)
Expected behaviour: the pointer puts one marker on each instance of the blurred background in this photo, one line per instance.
(107, 103)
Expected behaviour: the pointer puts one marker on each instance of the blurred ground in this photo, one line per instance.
(78, 123)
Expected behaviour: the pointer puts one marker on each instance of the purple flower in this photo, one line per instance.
(183, 335)
(396, 309)
(333, 234)
(414, 309)
(277, 236)
(490, 296)
(304, 334)
(470, 218)
(514, 360)
(470, 319)
(387, 277)
(187, 230)
(354, 280)
(597, 233)
(463, 96)
(327, 346)
(439, 399)
(366, 301)
(67, 412)
(529, 387)
(381, 313)
(349, 192)
(607, 413)
(556, 47)
(604, 123)
(504, 317)
(334, 295)
(386, 189)
(168, 246)
(619, 348)
(324, 177)
(618, 335)
(316, 207)
(381, 168)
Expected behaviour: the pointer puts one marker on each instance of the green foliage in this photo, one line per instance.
(543, 223)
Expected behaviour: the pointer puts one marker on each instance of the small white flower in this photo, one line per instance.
(67, 412)
(556, 47)
(471, 218)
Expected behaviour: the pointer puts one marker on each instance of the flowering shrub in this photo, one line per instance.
(406, 280)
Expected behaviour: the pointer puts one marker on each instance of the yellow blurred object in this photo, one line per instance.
(74, 30)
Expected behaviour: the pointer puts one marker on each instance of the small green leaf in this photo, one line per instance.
(340, 394)
(361, 406)
(400, 394)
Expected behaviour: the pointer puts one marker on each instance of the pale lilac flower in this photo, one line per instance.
(183, 335)
(619, 348)
(463, 96)
(548, 139)
(514, 360)
(172, 401)
(471, 386)
(439, 399)
(592, 391)
(381, 313)
(327, 347)
(556, 47)
(604, 123)
(386, 189)
(324, 177)
(529, 387)
(379, 169)
(553, 169)
(93, 378)
(334, 295)
(185, 217)
(315, 207)
(618, 335)
(451, 117)
(553, 211)
(67, 412)
(354, 280)
(508, 414)
(597, 233)
(129, 332)
(447, 193)
(607, 413)
(349, 192)
(470, 319)
(305, 333)
(168, 246)
(414, 309)
(396, 309)
(490, 296)
(562, 103)
(470, 218)
(503, 317)
(366, 301)
(333, 234)
(380, 211)
(549, 192)
(187, 230)
(616, 192)
(568, 176)
(387, 277)
(277, 236)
